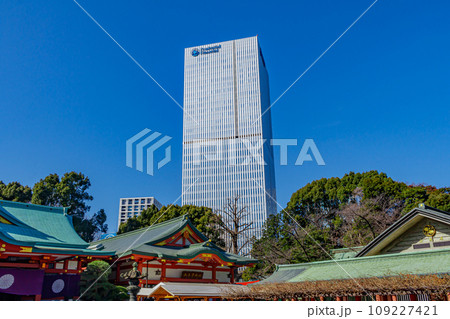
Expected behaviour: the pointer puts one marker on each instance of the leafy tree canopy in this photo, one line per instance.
(71, 190)
(15, 192)
(337, 212)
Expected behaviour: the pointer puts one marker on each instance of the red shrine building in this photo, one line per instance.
(174, 251)
(41, 255)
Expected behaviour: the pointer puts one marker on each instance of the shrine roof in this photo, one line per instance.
(191, 289)
(144, 242)
(400, 227)
(147, 235)
(44, 228)
(190, 252)
(367, 261)
(416, 263)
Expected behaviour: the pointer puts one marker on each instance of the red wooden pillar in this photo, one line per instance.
(163, 271)
(213, 271)
(413, 297)
(78, 264)
(313, 299)
(117, 272)
(232, 274)
(140, 266)
(357, 298)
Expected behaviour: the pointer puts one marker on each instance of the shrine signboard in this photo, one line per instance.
(192, 275)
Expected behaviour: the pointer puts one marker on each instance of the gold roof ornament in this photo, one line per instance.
(429, 230)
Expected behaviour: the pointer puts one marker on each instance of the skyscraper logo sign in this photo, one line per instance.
(207, 50)
(195, 52)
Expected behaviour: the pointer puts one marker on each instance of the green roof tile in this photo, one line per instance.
(156, 233)
(419, 263)
(343, 253)
(189, 252)
(38, 224)
(142, 241)
(47, 229)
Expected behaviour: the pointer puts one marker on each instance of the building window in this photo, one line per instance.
(130, 208)
(130, 201)
(124, 201)
(421, 246)
(143, 201)
(441, 243)
(136, 201)
(149, 200)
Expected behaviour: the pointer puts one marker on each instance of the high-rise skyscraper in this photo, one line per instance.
(227, 131)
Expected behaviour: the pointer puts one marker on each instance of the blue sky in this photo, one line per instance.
(70, 98)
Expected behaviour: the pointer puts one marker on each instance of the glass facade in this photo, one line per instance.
(226, 148)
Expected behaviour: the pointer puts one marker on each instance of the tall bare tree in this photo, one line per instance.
(233, 221)
(366, 219)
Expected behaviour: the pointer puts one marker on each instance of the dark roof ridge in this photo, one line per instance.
(422, 206)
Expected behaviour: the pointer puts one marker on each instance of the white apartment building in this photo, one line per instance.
(133, 206)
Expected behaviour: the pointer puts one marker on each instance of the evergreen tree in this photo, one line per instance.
(102, 289)
(71, 190)
(337, 212)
